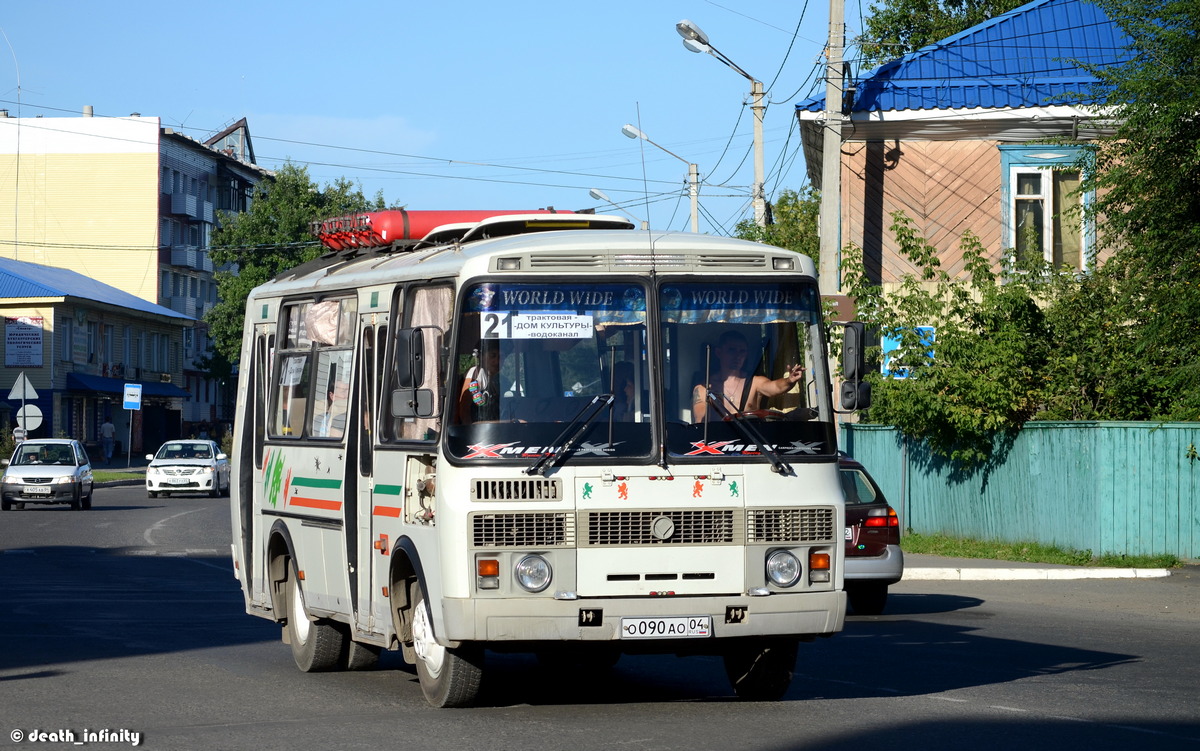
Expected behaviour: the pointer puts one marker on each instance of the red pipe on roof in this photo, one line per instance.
(379, 228)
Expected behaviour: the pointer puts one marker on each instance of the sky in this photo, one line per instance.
(450, 105)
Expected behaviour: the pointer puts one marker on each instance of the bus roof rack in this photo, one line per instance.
(371, 234)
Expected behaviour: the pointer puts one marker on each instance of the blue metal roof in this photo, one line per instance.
(1028, 57)
(23, 279)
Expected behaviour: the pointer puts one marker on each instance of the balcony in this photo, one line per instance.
(183, 204)
(191, 257)
(189, 306)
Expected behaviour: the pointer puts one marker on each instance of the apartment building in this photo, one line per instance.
(132, 204)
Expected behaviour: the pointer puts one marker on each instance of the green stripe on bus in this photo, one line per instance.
(388, 489)
(312, 482)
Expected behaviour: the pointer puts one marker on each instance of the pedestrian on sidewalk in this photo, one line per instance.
(108, 434)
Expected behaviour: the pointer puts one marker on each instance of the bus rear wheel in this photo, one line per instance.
(316, 645)
(449, 677)
(761, 669)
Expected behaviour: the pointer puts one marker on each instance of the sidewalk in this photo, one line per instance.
(938, 568)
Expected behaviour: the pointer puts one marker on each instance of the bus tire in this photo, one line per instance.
(449, 677)
(761, 669)
(316, 644)
(360, 656)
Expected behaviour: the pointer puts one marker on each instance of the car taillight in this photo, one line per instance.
(878, 517)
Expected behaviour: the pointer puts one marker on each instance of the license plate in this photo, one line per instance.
(685, 627)
(37, 490)
(177, 481)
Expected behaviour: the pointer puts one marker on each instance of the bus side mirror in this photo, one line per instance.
(417, 403)
(854, 363)
(856, 393)
(410, 358)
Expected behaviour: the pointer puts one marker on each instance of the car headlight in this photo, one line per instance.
(783, 568)
(152, 470)
(64, 480)
(533, 573)
(8, 478)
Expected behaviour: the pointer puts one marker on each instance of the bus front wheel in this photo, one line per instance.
(761, 669)
(316, 645)
(449, 677)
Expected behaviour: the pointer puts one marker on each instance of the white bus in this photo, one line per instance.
(544, 433)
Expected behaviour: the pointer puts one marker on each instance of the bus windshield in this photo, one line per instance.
(744, 371)
(533, 357)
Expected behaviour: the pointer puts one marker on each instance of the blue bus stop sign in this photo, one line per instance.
(133, 396)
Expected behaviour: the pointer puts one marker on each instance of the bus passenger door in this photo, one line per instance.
(370, 553)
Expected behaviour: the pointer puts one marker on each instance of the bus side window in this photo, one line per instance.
(427, 312)
(287, 411)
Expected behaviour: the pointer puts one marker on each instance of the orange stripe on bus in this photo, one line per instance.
(315, 503)
(387, 511)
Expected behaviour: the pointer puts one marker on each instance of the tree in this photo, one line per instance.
(795, 225)
(269, 238)
(981, 375)
(1146, 179)
(898, 27)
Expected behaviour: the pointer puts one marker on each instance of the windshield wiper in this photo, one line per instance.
(579, 424)
(750, 432)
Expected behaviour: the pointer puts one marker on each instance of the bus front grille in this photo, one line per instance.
(523, 530)
(665, 527)
(533, 489)
(789, 525)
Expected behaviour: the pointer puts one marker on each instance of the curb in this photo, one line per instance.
(1030, 574)
(119, 483)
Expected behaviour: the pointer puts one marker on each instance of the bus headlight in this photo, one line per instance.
(533, 573)
(783, 568)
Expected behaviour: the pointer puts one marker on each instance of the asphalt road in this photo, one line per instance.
(128, 618)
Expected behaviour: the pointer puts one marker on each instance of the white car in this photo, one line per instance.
(191, 466)
(47, 470)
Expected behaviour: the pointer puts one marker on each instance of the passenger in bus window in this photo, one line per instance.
(333, 422)
(735, 390)
(479, 398)
(623, 391)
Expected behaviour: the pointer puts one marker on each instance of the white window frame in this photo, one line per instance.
(1044, 162)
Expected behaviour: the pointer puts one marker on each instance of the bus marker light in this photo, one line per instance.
(382, 544)
(300, 575)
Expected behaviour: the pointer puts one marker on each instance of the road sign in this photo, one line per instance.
(133, 396)
(29, 417)
(22, 388)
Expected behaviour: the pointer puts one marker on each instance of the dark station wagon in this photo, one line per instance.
(874, 560)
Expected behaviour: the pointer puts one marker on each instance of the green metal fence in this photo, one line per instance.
(1107, 487)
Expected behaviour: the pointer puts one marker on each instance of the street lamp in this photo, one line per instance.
(693, 173)
(600, 195)
(695, 40)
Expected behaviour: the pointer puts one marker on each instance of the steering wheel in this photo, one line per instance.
(767, 415)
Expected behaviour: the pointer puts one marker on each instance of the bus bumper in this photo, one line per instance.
(526, 619)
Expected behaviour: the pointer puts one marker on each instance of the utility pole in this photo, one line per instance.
(829, 275)
(759, 199)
